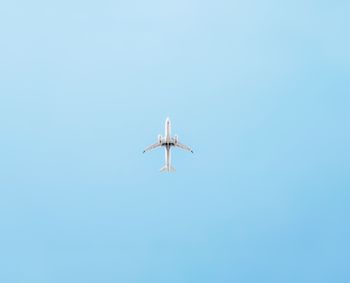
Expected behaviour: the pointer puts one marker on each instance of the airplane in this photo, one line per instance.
(168, 142)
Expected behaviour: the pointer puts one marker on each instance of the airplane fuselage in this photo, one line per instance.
(168, 143)
(167, 130)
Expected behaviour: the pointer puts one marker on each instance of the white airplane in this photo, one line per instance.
(167, 141)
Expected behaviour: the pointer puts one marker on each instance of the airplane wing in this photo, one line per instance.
(184, 147)
(151, 147)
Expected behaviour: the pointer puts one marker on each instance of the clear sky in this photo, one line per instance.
(259, 89)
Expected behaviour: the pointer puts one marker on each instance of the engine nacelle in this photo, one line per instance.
(176, 139)
(159, 138)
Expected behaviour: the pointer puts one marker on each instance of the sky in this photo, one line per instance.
(259, 89)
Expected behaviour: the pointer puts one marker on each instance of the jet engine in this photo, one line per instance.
(159, 138)
(176, 139)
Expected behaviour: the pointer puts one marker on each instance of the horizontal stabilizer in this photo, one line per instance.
(167, 169)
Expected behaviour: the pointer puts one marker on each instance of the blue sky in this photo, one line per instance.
(260, 90)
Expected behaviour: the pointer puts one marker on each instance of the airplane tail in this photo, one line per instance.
(167, 169)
